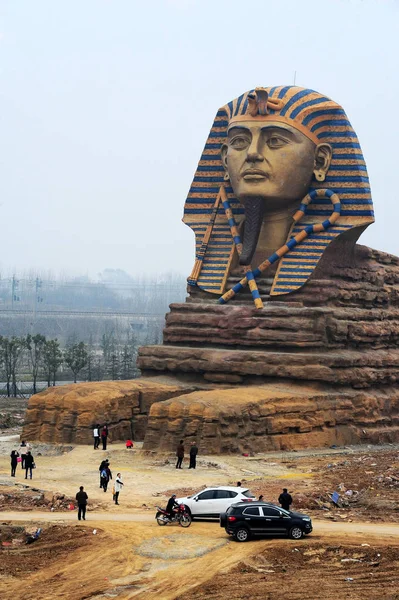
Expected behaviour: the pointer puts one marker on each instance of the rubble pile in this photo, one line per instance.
(33, 498)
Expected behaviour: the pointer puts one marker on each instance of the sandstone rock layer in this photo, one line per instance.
(274, 417)
(67, 414)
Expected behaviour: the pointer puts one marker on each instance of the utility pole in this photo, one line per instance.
(14, 287)
(38, 298)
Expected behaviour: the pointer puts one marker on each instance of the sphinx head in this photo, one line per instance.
(276, 145)
(270, 164)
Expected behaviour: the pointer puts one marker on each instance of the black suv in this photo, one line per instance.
(243, 520)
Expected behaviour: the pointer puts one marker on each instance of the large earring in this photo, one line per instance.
(226, 176)
(320, 176)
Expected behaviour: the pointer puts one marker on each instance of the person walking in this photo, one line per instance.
(29, 464)
(118, 486)
(193, 455)
(106, 475)
(96, 435)
(103, 465)
(14, 461)
(285, 499)
(180, 455)
(81, 499)
(104, 436)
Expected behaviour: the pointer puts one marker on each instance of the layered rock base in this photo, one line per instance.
(279, 416)
(313, 368)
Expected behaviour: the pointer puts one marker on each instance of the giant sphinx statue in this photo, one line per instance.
(278, 201)
(281, 176)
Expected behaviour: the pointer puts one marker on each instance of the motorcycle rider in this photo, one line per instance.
(172, 504)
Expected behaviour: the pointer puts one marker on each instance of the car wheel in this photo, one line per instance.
(241, 534)
(296, 533)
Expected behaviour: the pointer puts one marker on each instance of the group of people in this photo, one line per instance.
(180, 455)
(24, 456)
(100, 433)
(106, 476)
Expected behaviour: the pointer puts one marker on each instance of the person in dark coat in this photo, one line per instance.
(103, 465)
(193, 455)
(81, 499)
(285, 499)
(180, 455)
(171, 505)
(14, 461)
(106, 475)
(104, 436)
(29, 462)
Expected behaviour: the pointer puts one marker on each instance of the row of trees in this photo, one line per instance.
(40, 358)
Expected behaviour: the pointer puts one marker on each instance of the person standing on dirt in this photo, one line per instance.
(23, 449)
(104, 436)
(106, 475)
(118, 487)
(14, 461)
(81, 499)
(29, 462)
(180, 455)
(285, 499)
(193, 455)
(96, 435)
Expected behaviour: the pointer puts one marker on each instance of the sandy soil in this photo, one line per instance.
(130, 556)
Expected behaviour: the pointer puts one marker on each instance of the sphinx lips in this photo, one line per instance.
(254, 175)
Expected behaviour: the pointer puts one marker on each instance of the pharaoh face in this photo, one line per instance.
(269, 160)
(270, 166)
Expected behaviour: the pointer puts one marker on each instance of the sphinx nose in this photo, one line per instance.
(254, 151)
(254, 157)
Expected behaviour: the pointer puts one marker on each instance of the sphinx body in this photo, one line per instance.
(282, 183)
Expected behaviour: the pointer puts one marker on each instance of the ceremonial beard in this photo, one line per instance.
(254, 208)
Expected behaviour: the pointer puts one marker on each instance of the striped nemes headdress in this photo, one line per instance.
(320, 119)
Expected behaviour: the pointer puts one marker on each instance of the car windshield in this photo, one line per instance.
(248, 494)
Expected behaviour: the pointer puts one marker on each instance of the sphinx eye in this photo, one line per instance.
(275, 141)
(239, 142)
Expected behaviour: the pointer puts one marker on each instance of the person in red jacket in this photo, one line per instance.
(104, 436)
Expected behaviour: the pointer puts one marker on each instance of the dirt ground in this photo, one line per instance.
(130, 556)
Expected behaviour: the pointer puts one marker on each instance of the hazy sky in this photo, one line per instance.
(106, 105)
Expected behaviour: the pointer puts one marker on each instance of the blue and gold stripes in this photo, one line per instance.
(347, 177)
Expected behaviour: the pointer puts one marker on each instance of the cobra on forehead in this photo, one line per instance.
(259, 106)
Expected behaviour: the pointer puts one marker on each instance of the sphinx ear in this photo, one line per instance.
(223, 154)
(322, 161)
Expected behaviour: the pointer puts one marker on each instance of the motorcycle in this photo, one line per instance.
(180, 516)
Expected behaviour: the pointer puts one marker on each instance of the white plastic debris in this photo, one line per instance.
(94, 531)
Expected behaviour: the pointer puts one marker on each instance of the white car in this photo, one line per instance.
(212, 501)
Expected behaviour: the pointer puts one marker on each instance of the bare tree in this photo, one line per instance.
(35, 345)
(11, 353)
(76, 357)
(52, 360)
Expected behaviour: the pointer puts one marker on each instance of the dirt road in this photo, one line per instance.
(320, 528)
